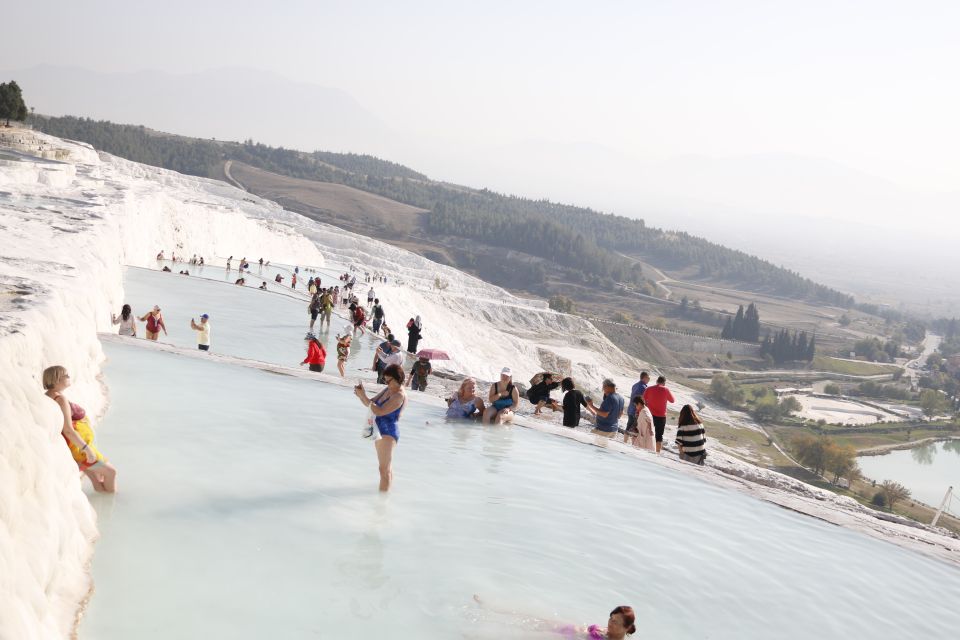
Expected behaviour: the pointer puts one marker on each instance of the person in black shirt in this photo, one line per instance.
(572, 401)
(539, 394)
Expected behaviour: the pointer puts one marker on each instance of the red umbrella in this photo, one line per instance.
(433, 354)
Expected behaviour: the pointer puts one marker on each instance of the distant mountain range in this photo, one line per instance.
(848, 229)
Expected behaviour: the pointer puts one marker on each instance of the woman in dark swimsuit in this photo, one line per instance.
(386, 407)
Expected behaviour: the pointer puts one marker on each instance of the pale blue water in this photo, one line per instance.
(927, 471)
(248, 509)
(245, 322)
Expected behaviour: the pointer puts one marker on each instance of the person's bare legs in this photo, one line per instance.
(103, 477)
(489, 414)
(659, 445)
(385, 447)
(540, 404)
(340, 364)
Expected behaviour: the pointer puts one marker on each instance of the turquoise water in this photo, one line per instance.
(927, 471)
(248, 509)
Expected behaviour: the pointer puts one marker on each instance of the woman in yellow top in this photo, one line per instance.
(78, 433)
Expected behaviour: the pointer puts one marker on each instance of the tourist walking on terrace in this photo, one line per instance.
(154, 323)
(637, 389)
(203, 332)
(504, 398)
(414, 328)
(691, 436)
(386, 407)
(78, 433)
(642, 434)
(572, 401)
(378, 315)
(316, 354)
(314, 309)
(326, 308)
(128, 324)
(419, 372)
(656, 398)
(343, 347)
(609, 412)
(371, 296)
(465, 403)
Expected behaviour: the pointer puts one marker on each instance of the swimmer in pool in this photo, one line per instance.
(78, 433)
(386, 407)
(619, 625)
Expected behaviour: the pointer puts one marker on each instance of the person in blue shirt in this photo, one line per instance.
(637, 390)
(609, 412)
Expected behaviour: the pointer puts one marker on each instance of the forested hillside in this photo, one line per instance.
(576, 238)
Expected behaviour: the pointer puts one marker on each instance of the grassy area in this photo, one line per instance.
(749, 445)
(849, 367)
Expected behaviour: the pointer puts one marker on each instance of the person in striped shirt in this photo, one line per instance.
(691, 438)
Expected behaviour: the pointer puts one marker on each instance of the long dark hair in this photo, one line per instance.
(688, 416)
(125, 312)
(628, 618)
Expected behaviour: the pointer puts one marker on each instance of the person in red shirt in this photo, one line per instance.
(316, 353)
(656, 399)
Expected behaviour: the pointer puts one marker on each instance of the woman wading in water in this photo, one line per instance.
(78, 433)
(386, 407)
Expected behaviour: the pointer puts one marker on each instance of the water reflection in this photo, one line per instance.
(952, 446)
(925, 454)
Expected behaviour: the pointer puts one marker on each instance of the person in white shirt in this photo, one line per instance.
(203, 332)
(127, 322)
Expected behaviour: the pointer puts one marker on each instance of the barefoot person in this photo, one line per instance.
(642, 435)
(78, 433)
(343, 348)
(657, 397)
(609, 412)
(465, 403)
(691, 437)
(154, 323)
(316, 354)
(620, 624)
(386, 407)
(128, 324)
(504, 397)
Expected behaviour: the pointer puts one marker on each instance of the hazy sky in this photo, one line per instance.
(869, 84)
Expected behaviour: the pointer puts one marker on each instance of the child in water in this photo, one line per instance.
(344, 338)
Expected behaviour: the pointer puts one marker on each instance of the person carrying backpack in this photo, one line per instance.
(378, 315)
(419, 372)
(314, 309)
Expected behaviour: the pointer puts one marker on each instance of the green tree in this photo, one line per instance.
(12, 105)
(934, 403)
(725, 390)
(893, 492)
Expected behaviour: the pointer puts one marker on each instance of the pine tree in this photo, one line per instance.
(737, 332)
(727, 332)
(11, 102)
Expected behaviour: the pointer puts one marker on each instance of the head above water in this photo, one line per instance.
(621, 622)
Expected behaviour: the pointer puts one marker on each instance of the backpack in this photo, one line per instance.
(359, 314)
(377, 312)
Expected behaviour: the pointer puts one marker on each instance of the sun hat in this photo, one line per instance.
(506, 371)
(205, 316)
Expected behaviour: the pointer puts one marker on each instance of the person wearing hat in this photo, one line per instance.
(504, 397)
(316, 353)
(154, 323)
(609, 412)
(203, 332)
(419, 372)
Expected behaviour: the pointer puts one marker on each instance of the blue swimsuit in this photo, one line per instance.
(387, 425)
